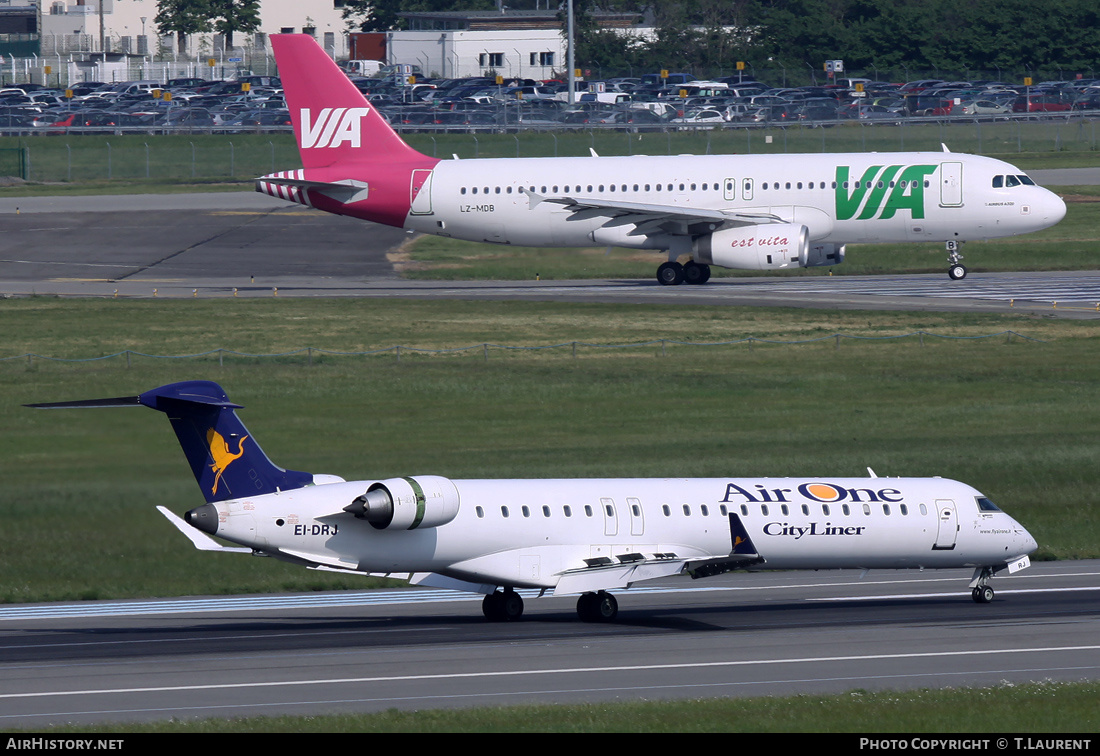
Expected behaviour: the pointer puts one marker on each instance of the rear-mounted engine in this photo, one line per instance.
(424, 501)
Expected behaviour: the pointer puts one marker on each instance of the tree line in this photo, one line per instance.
(226, 17)
(893, 38)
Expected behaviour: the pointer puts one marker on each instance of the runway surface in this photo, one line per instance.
(244, 244)
(735, 635)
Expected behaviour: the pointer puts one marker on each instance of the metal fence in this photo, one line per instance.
(191, 154)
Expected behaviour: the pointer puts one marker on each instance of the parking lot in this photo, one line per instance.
(475, 105)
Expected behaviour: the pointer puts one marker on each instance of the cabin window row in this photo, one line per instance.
(566, 510)
(705, 510)
(827, 510)
(706, 186)
(592, 188)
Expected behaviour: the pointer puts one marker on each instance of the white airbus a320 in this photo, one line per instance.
(751, 212)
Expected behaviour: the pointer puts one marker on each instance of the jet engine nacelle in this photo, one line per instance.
(425, 501)
(824, 254)
(764, 247)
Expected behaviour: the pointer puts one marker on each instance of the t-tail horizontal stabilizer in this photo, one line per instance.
(225, 459)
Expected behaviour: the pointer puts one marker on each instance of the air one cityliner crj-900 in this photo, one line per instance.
(752, 212)
(584, 537)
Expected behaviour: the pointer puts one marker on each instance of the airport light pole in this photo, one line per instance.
(571, 78)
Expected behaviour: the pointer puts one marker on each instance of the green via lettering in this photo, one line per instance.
(884, 196)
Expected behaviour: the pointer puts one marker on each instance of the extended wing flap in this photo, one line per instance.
(626, 569)
(618, 574)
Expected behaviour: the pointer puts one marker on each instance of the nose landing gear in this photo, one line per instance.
(980, 589)
(956, 271)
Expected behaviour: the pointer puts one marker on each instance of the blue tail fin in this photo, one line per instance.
(225, 458)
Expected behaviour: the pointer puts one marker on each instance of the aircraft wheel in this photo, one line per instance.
(983, 594)
(957, 272)
(607, 608)
(670, 274)
(502, 606)
(597, 607)
(696, 273)
(586, 607)
(490, 606)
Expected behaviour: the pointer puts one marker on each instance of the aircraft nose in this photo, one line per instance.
(1024, 539)
(1055, 209)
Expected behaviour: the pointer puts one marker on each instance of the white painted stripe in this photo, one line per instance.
(388, 597)
(964, 593)
(562, 671)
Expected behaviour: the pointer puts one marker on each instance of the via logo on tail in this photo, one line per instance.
(332, 127)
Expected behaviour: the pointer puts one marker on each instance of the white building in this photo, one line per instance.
(128, 27)
(520, 44)
(520, 53)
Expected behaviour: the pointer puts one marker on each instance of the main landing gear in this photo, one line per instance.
(956, 271)
(502, 606)
(507, 606)
(673, 273)
(597, 607)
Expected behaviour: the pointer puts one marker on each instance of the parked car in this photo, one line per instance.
(985, 107)
(1041, 103)
(699, 119)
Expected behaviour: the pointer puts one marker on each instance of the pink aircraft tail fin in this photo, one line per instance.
(333, 122)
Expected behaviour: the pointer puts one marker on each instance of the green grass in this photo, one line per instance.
(154, 161)
(1001, 711)
(1013, 417)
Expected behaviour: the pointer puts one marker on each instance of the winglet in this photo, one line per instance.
(741, 544)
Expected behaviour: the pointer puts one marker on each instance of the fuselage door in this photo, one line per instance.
(951, 184)
(948, 527)
(420, 192)
(729, 189)
(610, 517)
(637, 521)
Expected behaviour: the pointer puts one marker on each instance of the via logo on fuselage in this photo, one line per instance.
(881, 191)
(332, 127)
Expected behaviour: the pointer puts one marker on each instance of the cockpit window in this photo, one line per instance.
(985, 505)
(1000, 182)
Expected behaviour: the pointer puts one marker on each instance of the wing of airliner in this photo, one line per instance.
(651, 218)
(622, 571)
